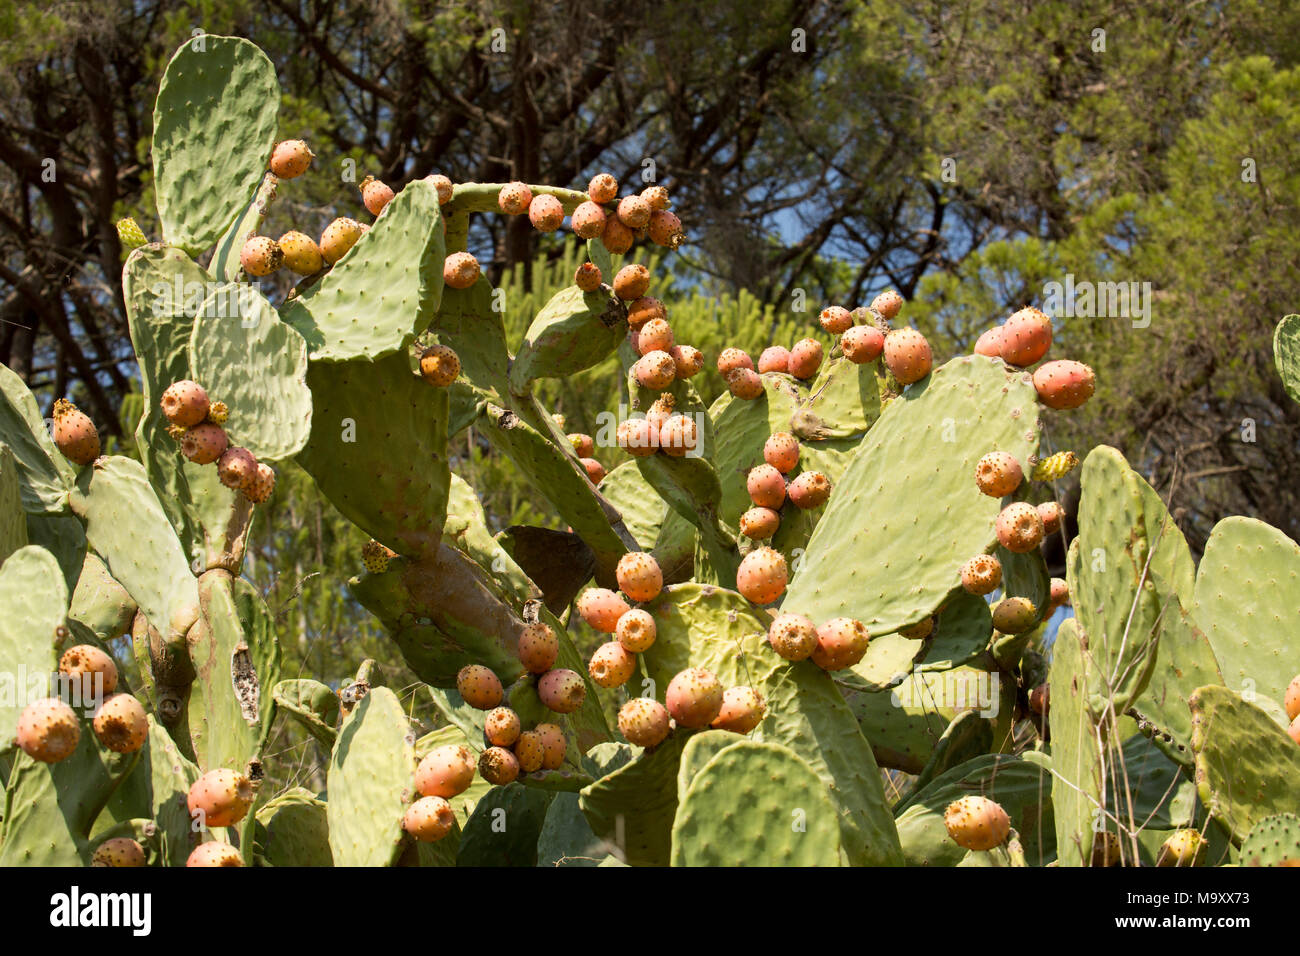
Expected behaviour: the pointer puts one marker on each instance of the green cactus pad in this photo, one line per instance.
(371, 782)
(13, 521)
(843, 402)
(967, 737)
(127, 527)
(1025, 575)
(888, 660)
(492, 838)
(642, 509)
(704, 626)
(1286, 352)
(1246, 766)
(632, 808)
(574, 331)
(466, 529)
(1248, 603)
(293, 830)
(1272, 840)
(922, 451)
(1022, 785)
(566, 839)
(44, 474)
(756, 804)
(1155, 793)
(690, 487)
(164, 290)
(384, 291)
(213, 129)
(1078, 748)
(100, 602)
(156, 788)
(699, 750)
(468, 322)
(225, 264)
(246, 357)
(962, 632)
(312, 704)
(378, 449)
(33, 604)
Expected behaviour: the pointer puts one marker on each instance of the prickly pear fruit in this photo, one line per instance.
(1292, 699)
(809, 490)
(612, 665)
(694, 697)
(990, 343)
(665, 229)
(375, 195)
(601, 608)
(546, 213)
(982, 574)
(918, 631)
(260, 256)
(588, 220)
(636, 630)
(429, 819)
(1014, 615)
(479, 686)
(300, 253)
(1052, 513)
(616, 237)
(805, 359)
(439, 365)
(515, 198)
(1054, 467)
(1064, 384)
(730, 359)
(445, 771)
(743, 709)
(862, 344)
(781, 451)
(460, 270)
(655, 336)
(888, 304)
(1026, 337)
(908, 355)
(775, 358)
(218, 413)
(48, 730)
(561, 690)
(185, 403)
(689, 360)
(976, 823)
(261, 485)
(657, 197)
(678, 436)
(1060, 591)
(1019, 528)
(498, 766)
(530, 751)
(375, 556)
(502, 727)
(130, 234)
(220, 797)
(85, 665)
(1293, 731)
(588, 277)
(633, 212)
(74, 433)
(642, 310)
(639, 576)
(759, 523)
(632, 282)
(638, 437)
(762, 575)
(119, 851)
(290, 158)
(538, 648)
(204, 443)
(120, 724)
(446, 189)
(339, 236)
(835, 319)
(660, 411)
(841, 643)
(603, 188)
(766, 486)
(793, 637)
(553, 744)
(643, 721)
(236, 467)
(214, 853)
(1040, 699)
(1185, 847)
(998, 474)
(745, 384)
(655, 370)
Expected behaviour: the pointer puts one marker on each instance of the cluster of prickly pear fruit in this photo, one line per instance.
(197, 424)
